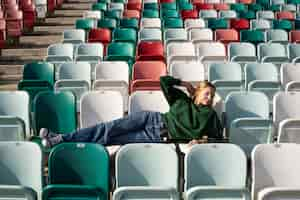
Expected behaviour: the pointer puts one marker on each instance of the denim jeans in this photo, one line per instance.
(140, 127)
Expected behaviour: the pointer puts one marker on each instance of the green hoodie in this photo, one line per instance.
(186, 120)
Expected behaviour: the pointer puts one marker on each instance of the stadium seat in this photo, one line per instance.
(153, 5)
(255, 7)
(37, 77)
(252, 36)
(172, 23)
(21, 170)
(55, 111)
(289, 75)
(150, 34)
(192, 72)
(85, 24)
(227, 14)
(128, 14)
(99, 6)
(113, 76)
(194, 23)
(203, 6)
(74, 77)
(226, 35)
(265, 176)
(211, 51)
(150, 50)
(15, 116)
(222, 6)
(116, 6)
(150, 23)
(208, 14)
(283, 24)
(217, 24)
(175, 34)
(260, 24)
(144, 100)
(14, 23)
(294, 52)
(227, 77)
(77, 183)
(263, 77)
(180, 51)
(285, 15)
(265, 14)
(147, 180)
(148, 70)
(241, 52)
(289, 7)
(189, 14)
(295, 36)
(249, 15)
(272, 52)
(101, 35)
(113, 14)
(91, 53)
(239, 24)
(197, 35)
(238, 7)
(134, 5)
(286, 116)
(100, 106)
(95, 15)
(74, 36)
(279, 193)
(2, 33)
(277, 35)
(129, 23)
(124, 35)
(41, 8)
(29, 14)
(247, 119)
(150, 13)
(107, 23)
(204, 172)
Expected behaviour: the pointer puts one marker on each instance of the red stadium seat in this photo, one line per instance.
(51, 5)
(14, 23)
(134, 6)
(150, 50)
(239, 24)
(101, 35)
(1, 14)
(2, 33)
(226, 35)
(221, 6)
(147, 73)
(29, 14)
(285, 15)
(246, 1)
(295, 36)
(204, 6)
(131, 14)
(144, 85)
(148, 70)
(189, 14)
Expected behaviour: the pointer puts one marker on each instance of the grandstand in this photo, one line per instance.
(69, 64)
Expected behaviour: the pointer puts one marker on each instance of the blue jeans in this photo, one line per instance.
(140, 127)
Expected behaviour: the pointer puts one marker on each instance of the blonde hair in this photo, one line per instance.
(202, 85)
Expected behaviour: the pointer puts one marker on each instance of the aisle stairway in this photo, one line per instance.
(33, 46)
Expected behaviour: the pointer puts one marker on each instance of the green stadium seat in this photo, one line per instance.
(78, 171)
(109, 23)
(217, 24)
(252, 36)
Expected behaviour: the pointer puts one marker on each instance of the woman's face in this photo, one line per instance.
(205, 97)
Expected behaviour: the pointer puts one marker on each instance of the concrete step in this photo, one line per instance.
(8, 86)
(35, 52)
(19, 60)
(10, 73)
(76, 6)
(66, 13)
(45, 40)
(61, 21)
(52, 29)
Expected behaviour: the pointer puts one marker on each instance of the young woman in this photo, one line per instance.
(189, 118)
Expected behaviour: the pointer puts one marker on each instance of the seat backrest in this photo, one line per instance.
(61, 49)
(39, 71)
(124, 35)
(150, 23)
(204, 34)
(211, 49)
(261, 71)
(75, 71)
(180, 49)
(175, 34)
(150, 34)
(219, 165)
(271, 49)
(246, 104)
(16, 104)
(82, 164)
(294, 50)
(289, 72)
(73, 35)
(241, 49)
(265, 14)
(275, 165)
(56, 111)
(147, 101)
(208, 14)
(260, 24)
(226, 34)
(194, 23)
(21, 164)
(112, 70)
(188, 71)
(286, 106)
(277, 35)
(90, 49)
(100, 106)
(100, 35)
(230, 71)
(120, 49)
(149, 70)
(92, 14)
(153, 165)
